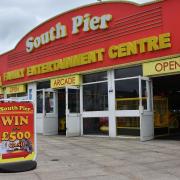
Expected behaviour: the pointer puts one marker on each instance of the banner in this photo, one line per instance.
(65, 81)
(167, 66)
(17, 132)
(16, 89)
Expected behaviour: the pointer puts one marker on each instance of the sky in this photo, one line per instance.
(18, 17)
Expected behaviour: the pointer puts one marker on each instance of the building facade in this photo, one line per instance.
(110, 69)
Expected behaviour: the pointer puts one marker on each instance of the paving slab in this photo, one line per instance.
(100, 158)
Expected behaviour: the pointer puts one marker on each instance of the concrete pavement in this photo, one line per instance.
(95, 158)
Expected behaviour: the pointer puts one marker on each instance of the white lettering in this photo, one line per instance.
(77, 22)
(52, 33)
(44, 38)
(37, 42)
(94, 23)
(104, 21)
(88, 23)
(60, 31)
(29, 44)
(84, 23)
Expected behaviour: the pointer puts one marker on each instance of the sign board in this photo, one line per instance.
(89, 39)
(16, 89)
(65, 81)
(161, 67)
(17, 132)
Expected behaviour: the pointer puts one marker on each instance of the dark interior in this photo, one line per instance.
(169, 87)
(61, 112)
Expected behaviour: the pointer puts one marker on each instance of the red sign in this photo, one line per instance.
(17, 134)
(67, 44)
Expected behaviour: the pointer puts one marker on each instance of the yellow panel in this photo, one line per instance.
(1, 90)
(65, 81)
(162, 67)
(16, 89)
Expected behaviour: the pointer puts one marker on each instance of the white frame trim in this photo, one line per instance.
(74, 114)
(94, 114)
(112, 113)
(128, 113)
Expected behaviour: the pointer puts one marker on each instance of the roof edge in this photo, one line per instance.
(83, 6)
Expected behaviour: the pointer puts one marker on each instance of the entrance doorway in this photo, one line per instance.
(69, 111)
(61, 112)
(166, 91)
(46, 112)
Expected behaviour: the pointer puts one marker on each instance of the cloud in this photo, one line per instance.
(15, 23)
(18, 17)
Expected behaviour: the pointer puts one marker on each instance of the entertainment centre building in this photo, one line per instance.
(109, 68)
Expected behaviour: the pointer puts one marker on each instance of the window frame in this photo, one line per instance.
(43, 101)
(87, 113)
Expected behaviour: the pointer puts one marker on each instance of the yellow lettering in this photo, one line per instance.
(19, 73)
(22, 120)
(16, 120)
(131, 48)
(141, 44)
(113, 52)
(7, 120)
(122, 50)
(67, 62)
(100, 53)
(164, 41)
(153, 43)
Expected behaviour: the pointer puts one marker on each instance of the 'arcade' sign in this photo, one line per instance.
(65, 81)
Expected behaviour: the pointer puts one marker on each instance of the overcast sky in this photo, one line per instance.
(18, 17)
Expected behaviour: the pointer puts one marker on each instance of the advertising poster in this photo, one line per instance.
(17, 136)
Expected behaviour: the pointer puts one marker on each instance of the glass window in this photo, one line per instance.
(128, 72)
(96, 126)
(18, 96)
(101, 76)
(22, 94)
(11, 95)
(49, 102)
(128, 126)
(162, 115)
(95, 97)
(43, 85)
(73, 101)
(39, 101)
(30, 94)
(144, 94)
(127, 94)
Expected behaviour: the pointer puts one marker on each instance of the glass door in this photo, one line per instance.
(47, 112)
(133, 103)
(145, 109)
(73, 123)
(127, 106)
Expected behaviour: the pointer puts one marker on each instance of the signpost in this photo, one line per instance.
(18, 148)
